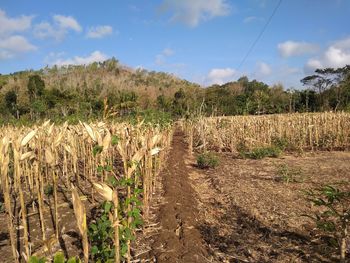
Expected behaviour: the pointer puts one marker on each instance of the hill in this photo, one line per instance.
(79, 91)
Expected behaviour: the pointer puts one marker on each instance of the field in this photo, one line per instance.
(250, 214)
(119, 192)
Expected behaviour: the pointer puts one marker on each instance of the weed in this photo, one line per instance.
(334, 213)
(281, 143)
(262, 152)
(207, 160)
(289, 174)
(48, 191)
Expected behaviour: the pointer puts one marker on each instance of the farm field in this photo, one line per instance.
(226, 189)
(250, 214)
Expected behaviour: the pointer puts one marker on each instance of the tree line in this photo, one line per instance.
(71, 95)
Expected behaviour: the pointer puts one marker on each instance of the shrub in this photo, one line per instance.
(262, 152)
(281, 143)
(207, 160)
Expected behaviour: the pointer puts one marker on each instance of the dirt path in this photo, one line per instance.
(179, 240)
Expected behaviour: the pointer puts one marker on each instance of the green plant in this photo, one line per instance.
(101, 231)
(289, 174)
(334, 213)
(58, 258)
(262, 152)
(48, 190)
(101, 235)
(207, 160)
(281, 143)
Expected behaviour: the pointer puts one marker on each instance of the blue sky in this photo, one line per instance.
(200, 40)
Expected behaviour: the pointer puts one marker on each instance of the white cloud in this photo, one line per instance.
(293, 48)
(336, 55)
(95, 56)
(250, 19)
(58, 29)
(99, 31)
(14, 45)
(161, 58)
(11, 25)
(221, 76)
(263, 69)
(67, 22)
(193, 12)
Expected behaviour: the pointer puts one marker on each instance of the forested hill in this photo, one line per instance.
(78, 92)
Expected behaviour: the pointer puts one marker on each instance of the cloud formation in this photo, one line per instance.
(250, 19)
(221, 76)
(96, 56)
(11, 25)
(263, 69)
(12, 44)
(99, 31)
(161, 58)
(336, 55)
(193, 12)
(293, 48)
(58, 29)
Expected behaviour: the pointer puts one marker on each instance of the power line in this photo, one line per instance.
(260, 34)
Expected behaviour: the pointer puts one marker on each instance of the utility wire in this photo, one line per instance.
(260, 34)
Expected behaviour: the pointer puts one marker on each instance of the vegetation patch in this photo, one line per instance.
(207, 160)
(289, 174)
(262, 152)
(333, 215)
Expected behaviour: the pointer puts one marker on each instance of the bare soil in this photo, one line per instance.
(178, 238)
(250, 214)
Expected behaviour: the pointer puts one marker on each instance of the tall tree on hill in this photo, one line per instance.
(36, 88)
(11, 103)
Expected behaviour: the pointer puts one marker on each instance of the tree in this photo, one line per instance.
(11, 103)
(36, 86)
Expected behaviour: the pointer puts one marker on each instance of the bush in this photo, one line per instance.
(281, 143)
(262, 152)
(207, 160)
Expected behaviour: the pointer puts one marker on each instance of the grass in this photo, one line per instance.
(290, 174)
(207, 160)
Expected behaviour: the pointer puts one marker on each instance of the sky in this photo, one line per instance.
(204, 41)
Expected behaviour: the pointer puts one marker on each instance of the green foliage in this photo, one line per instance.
(48, 190)
(101, 234)
(289, 174)
(333, 215)
(115, 140)
(11, 101)
(281, 143)
(207, 160)
(58, 258)
(97, 150)
(262, 152)
(36, 86)
(101, 231)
